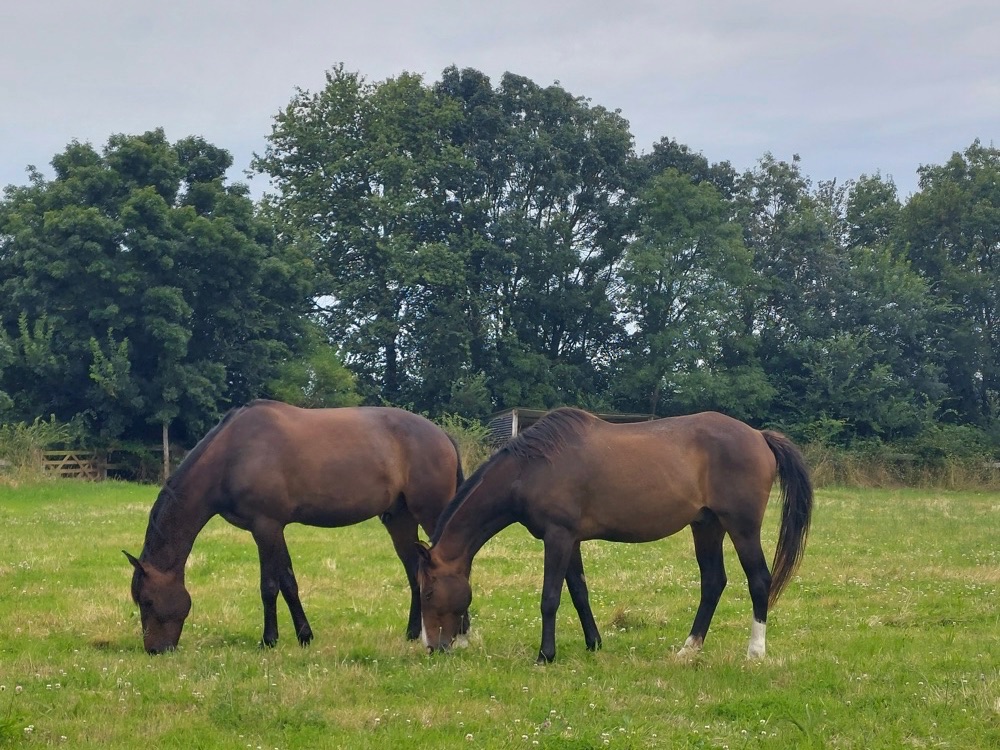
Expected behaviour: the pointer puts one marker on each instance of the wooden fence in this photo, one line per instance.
(76, 464)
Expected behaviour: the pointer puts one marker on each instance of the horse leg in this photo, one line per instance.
(276, 575)
(558, 551)
(708, 535)
(759, 580)
(402, 528)
(576, 582)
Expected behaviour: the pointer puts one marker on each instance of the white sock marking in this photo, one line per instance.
(758, 633)
(691, 646)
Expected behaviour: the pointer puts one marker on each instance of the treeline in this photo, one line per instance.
(464, 247)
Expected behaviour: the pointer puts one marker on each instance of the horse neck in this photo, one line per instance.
(487, 510)
(177, 517)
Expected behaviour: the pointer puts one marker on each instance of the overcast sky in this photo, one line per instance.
(852, 86)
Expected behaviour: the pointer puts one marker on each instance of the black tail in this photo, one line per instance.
(459, 475)
(796, 511)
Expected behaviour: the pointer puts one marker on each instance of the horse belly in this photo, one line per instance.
(635, 528)
(640, 511)
(327, 511)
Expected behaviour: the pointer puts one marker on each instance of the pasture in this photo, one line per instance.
(888, 637)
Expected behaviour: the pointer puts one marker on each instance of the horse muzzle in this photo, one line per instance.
(435, 641)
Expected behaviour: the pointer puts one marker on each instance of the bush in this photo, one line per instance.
(874, 464)
(22, 446)
(471, 437)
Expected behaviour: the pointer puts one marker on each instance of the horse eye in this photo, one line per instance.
(428, 594)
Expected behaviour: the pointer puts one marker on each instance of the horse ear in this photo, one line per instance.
(135, 563)
(424, 551)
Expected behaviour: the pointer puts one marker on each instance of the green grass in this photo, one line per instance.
(889, 637)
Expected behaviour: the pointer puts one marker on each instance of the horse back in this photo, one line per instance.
(331, 467)
(646, 480)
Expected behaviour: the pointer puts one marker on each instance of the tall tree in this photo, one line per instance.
(141, 289)
(680, 280)
(796, 261)
(549, 208)
(467, 232)
(668, 153)
(894, 390)
(951, 228)
(366, 177)
(843, 319)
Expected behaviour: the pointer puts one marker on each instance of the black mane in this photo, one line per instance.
(543, 440)
(171, 488)
(548, 435)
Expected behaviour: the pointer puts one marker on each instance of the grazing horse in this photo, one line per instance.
(269, 464)
(572, 477)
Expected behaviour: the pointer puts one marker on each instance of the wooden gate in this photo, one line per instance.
(76, 464)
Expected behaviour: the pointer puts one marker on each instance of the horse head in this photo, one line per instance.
(163, 602)
(445, 596)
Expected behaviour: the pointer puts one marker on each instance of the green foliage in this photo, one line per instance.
(22, 445)
(371, 173)
(471, 438)
(940, 443)
(681, 279)
(459, 229)
(951, 231)
(138, 289)
(472, 245)
(317, 378)
(471, 397)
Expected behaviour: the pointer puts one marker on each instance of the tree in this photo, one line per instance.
(366, 178)
(461, 231)
(317, 378)
(843, 320)
(6, 358)
(680, 280)
(793, 238)
(951, 230)
(139, 289)
(668, 153)
(556, 176)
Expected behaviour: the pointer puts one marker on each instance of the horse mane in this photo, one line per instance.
(548, 435)
(171, 488)
(543, 440)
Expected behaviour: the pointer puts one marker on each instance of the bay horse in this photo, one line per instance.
(571, 477)
(268, 464)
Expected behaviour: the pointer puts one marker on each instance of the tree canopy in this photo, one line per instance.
(465, 246)
(137, 289)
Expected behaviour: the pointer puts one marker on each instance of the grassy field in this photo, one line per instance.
(888, 638)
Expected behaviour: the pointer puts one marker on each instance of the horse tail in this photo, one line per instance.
(459, 474)
(796, 510)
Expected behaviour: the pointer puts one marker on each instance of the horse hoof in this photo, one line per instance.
(688, 653)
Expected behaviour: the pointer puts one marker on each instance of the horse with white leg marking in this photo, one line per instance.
(573, 477)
